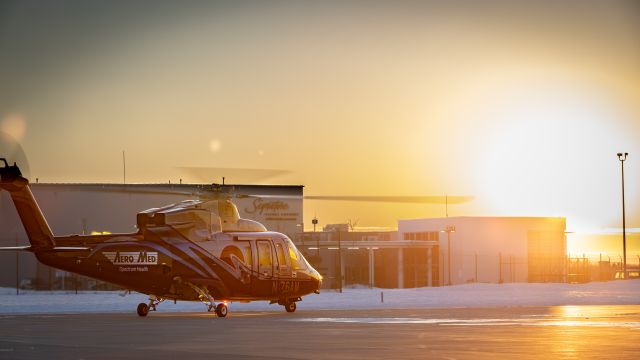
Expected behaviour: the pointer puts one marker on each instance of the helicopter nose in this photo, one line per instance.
(318, 283)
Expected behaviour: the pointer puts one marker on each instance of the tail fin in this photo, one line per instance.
(33, 220)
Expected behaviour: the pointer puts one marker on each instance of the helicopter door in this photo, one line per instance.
(283, 268)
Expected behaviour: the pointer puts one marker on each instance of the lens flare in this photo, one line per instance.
(15, 125)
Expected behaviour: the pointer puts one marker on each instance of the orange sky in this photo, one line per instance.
(522, 106)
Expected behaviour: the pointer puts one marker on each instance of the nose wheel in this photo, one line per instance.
(290, 306)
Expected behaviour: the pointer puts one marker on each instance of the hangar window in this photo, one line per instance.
(424, 235)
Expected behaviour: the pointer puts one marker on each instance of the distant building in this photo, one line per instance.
(483, 249)
(496, 249)
(371, 258)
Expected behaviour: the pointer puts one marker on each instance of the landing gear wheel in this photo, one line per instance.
(221, 310)
(290, 306)
(143, 309)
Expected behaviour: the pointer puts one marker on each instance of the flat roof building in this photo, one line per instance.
(495, 249)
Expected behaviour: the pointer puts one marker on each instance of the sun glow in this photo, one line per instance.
(551, 152)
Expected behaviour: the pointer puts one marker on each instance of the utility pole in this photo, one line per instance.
(499, 268)
(339, 261)
(124, 169)
(17, 269)
(476, 263)
(446, 205)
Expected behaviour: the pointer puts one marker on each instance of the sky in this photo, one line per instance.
(522, 105)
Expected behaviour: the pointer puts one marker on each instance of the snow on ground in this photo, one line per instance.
(468, 295)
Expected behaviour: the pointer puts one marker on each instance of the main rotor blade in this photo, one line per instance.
(237, 175)
(146, 189)
(209, 192)
(398, 199)
(200, 191)
(389, 199)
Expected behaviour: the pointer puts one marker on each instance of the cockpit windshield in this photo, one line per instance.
(298, 262)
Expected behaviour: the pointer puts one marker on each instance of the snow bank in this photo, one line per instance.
(469, 295)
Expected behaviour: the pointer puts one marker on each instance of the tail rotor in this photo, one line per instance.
(12, 156)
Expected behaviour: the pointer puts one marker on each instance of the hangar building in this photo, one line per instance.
(496, 249)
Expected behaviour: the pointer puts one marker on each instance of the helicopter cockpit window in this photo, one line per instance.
(297, 260)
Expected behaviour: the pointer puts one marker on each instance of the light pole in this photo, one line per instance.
(339, 261)
(622, 157)
(17, 268)
(449, 229)
(314, 221)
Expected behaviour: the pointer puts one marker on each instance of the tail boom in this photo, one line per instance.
(38, 231)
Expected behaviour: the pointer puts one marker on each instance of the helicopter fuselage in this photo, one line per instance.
(161, 261)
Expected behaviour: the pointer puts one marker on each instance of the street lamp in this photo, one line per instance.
(622, 157)
(314, 221)
(449, 229)
(339, 260)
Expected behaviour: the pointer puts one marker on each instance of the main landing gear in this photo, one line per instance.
(221, 309)
(206, 298)
(143, 309)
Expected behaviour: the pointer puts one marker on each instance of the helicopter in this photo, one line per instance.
(193, 250)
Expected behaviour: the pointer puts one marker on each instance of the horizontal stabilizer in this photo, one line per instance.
(70, 248)
(54, 249)
(16, 248)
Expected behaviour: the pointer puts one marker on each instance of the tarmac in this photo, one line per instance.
(563, 332)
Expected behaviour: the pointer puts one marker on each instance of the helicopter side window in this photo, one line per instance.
(282, 260)
(265, 262)
(248, 255)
